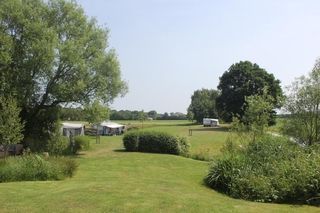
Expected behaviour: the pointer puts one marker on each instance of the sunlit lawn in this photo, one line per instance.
(111, 180)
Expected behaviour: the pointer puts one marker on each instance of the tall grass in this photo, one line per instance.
(36, 167)
(272, 169)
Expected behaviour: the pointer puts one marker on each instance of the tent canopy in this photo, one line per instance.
(72, 125)
(111, 125)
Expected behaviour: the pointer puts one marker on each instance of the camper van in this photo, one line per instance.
(210, 122)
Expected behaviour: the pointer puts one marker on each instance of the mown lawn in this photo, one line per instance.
(111, 180)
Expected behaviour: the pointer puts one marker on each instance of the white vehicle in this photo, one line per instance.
(210, 122)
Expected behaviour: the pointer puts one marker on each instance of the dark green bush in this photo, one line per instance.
(155, 142)
(272, 169)
(158, 142)
(130, 141)
(36, 167)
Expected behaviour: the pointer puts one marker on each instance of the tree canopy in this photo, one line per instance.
(303, 104)
(203, 104)
(10, 123)
(95, 112)
(245, 79)
(53, 54)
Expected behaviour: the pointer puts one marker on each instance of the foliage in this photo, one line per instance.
(36, 167)
(37, 134)
(58, 145)
(52, 54)
(142, 116)
(10, 122)
(95, 112)
(153, 114)
(241, 80)
(136, 115)
(272, 169)
(303, 102)
(203, 104)
(156, 142)
(131, 141)
(82, 143)
(71, 114)
(256, 115)
(165, 182)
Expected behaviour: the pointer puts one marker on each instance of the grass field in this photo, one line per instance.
(111, 180)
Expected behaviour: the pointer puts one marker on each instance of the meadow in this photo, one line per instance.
(112, 180)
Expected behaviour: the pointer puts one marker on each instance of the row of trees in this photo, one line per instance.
(249, 95)
(139, 115)
(53, 55)
(241, 80)
(96, 112)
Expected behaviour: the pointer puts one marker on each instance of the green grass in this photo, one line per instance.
(203, 140)
(111, 180)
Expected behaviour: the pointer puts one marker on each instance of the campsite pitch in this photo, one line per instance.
(112, 180)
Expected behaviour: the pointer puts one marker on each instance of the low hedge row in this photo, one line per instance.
(155, 142)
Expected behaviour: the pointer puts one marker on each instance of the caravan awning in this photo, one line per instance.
(111, 125)
(72, 125)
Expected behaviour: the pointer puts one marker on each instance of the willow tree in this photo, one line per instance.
(52, 54)
(303, 104)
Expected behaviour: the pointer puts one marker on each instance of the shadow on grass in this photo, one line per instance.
(214, 129)
(120, 150)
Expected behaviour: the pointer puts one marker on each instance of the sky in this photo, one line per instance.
(170, 48)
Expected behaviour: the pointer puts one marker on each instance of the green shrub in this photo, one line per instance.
(272, 169)
(81, 143)
(155, 142)
(158, 142)
(65, 165)
(36, 167)
(58, 145)
(184, 146)
(130, 141)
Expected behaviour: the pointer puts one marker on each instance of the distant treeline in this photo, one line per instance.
(138, 115)
(77, 114)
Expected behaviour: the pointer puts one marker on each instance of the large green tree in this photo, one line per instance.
(203, 104)
(241, 80)
(52, 54)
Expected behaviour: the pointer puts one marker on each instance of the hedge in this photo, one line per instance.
(155, 142)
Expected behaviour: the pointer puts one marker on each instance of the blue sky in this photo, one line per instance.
(169, 48)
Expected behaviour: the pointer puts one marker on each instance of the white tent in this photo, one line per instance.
(110, 128)
(72, 128)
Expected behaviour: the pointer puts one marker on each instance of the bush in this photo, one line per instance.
(130, 141)
(36, 167)
(272, 169)
(81, 143)
(155, 142)
(58, 145)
